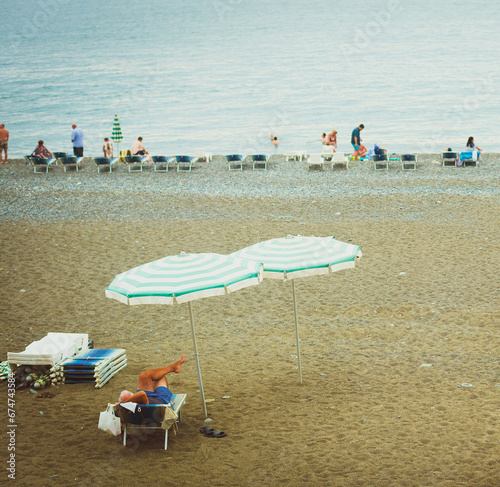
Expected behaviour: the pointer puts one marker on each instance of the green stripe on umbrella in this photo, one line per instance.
(184, 278)
(293, 257)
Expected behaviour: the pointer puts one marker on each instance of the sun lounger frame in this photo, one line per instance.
(123, 414)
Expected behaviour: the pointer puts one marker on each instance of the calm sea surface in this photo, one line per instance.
(222, 75)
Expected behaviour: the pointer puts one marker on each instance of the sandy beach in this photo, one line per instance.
(385, 346)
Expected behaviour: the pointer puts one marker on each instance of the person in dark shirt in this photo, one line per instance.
(356, 140)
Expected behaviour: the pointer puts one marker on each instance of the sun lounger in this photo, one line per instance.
(469, 157)
(381, 162)
(450, 159)
(102, 162)
(409, 162)
(235, 162)
(184, 163)
(59, 155)
(72, 161)
(201, 156)
(161, 163)
(40, 162)
(327, 153)
(149, 417)
(259, 162)
(315, 160)
(96, 366)
(295, 155)
(124, 153)
(339, 159)
(51, 349)
(134, 163)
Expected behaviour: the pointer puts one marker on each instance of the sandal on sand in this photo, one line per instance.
(211, 433)
(217, 434)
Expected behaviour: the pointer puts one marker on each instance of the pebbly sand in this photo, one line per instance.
(385, 346)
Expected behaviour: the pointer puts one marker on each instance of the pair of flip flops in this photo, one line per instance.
(211, 433)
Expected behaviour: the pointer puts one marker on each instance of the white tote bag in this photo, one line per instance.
(109, 422)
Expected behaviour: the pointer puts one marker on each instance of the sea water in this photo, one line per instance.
(222, 75)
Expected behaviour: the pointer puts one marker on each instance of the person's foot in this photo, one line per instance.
(177, 365)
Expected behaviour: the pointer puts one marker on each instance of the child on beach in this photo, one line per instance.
(107, 148)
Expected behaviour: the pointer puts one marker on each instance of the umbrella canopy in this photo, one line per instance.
(116, 134)
(184, 278)
(291, 257)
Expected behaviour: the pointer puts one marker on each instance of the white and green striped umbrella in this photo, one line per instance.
(116, 134)
(291, 257)
(184, 278)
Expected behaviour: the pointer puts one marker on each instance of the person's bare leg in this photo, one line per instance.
(148, 378)
(6, 157)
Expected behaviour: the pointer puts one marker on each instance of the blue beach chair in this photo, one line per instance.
(134, 163)
(102, 162)
(259, 162)
(68, 162)
(160, 163)
(148, 417)
(39, 163)
(235, 162)
(184, 163)
(409, 162)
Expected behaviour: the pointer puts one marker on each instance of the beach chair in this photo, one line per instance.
(201, 156)
(184, 163)
(39, 163)
(409, 162)
(259, 162)
(315, 160)
(381, 162)
(124, 153)
(340, 159)
(469, 158)
(327, 153)
(59, 155)
(295, 155)
(134, 163)
(161, 163)
(149, 417)
(68, 162)
(450, 159)
(102, 162)
(235, 162)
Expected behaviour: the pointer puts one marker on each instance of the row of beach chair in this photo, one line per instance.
(237, 162)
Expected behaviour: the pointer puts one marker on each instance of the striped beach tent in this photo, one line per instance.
(181, 279)
(297, 256)
(116, 134)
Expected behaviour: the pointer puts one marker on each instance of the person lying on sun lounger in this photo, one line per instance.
(152, 385)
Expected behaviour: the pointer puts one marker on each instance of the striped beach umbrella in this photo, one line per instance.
(184, 278)
(116, 134)
(291, 257)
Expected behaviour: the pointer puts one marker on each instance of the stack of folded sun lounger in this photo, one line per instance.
(93, 366)
(51, 349)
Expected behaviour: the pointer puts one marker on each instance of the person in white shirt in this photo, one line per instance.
(138, 149)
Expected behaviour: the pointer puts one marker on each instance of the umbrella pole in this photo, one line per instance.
(196, 360)
(297, 330)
